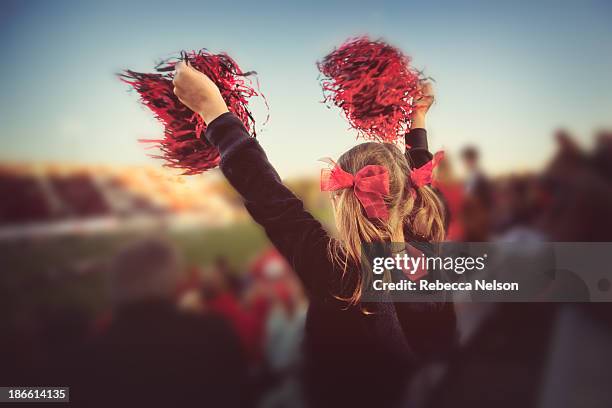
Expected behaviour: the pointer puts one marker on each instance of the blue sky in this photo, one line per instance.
(507, 74)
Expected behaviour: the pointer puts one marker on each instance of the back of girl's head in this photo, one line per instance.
(417, 210)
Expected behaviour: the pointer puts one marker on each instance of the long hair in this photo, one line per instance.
(418, 209)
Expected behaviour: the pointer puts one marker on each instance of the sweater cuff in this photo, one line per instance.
(417, 139)
(226, 132)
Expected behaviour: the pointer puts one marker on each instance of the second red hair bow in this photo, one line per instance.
(423, 175)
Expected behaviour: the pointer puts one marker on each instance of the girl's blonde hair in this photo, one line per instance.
(417, 208)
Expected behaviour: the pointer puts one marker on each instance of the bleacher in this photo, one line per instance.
(46, 194)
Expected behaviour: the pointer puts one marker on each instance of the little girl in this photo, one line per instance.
(354, 355)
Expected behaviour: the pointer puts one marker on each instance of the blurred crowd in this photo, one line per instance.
(212, 334)
(529, 354)
(174, 334)
(568, 201)
(171, 334)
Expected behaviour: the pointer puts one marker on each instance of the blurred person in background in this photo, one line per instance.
(189, 295)
(221, 296)
(602, 155)
(578, 193)
(475, 219)
(517, 210)
(451, 190)
(153, 354)
(477, 183)
(284, 333)
(476, 211)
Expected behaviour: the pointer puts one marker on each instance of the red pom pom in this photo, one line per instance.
(373, 83)
(184, 145)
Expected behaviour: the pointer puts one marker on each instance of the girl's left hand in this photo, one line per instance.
(422, 105)
(427, 99)
(198, 92)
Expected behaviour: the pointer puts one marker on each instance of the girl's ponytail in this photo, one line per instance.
(427, 218)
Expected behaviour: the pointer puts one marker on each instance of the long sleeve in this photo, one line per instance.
(417, 151)
(297, 235)
(437, 323)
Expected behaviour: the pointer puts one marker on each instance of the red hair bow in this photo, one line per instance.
(423, 175)
(370, 185)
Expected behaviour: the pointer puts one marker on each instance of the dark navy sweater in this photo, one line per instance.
(351, 357)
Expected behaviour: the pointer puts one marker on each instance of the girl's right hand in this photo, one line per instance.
(198, 92)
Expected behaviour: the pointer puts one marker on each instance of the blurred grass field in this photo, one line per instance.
(47, 273)
(42, 273)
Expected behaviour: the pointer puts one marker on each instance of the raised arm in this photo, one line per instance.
(296, 234)
(417, 151)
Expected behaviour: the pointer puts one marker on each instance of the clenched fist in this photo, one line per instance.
(422, 105)
(198, 92)
(427, 98)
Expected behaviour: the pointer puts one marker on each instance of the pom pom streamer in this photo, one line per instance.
(184, 145)
(374, 85)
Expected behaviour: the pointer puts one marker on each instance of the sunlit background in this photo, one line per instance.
(507, 74)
